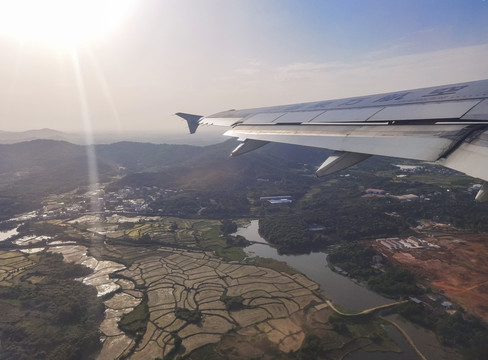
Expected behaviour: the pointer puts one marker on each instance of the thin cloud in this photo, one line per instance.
(429, 68)
(307, 70)
(309, 81)
(247, 71)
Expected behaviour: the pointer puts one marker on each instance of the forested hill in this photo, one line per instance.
(140, 156)
(50, 154)
(31, 170)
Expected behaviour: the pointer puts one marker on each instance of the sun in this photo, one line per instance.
(61, 22)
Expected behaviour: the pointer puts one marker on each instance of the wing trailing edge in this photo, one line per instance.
(444, 124)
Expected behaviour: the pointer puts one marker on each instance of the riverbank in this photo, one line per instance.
(349, 295)
(337, 288)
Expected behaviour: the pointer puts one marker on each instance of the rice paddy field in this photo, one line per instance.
(173, 288)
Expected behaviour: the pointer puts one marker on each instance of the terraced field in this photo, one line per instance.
(175, 300)
(198, 281)
(11, 264)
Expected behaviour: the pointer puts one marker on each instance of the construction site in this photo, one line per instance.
(454, 262)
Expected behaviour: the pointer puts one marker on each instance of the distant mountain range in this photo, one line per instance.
(11, 137)
(52, 156)
(203, 138)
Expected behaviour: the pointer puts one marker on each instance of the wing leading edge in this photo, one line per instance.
(443, 124)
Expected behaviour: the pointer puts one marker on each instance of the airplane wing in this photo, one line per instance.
(443, 124)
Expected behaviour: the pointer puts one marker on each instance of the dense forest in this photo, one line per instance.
(307, 230)
(358, 261)
(51, 316)
(340, 210)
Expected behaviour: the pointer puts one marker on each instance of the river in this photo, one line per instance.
(345, 292)
(339, 289)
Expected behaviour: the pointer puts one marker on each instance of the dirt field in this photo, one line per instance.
(459, 268)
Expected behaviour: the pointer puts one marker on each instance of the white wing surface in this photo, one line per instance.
(444, 124)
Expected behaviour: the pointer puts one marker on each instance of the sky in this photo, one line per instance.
(128, 68)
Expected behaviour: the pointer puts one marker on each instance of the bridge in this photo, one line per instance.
(364, 312)
(369, 311)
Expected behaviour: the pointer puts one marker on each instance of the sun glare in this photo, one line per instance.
(61, 22)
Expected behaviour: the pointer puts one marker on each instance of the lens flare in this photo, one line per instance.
(89, 143)
(61, 22)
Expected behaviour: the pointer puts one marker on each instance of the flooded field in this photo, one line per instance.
(173, 299)
(4, 235)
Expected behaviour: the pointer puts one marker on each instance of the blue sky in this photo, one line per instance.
(204, 56)
(320, 31)
(352, 28)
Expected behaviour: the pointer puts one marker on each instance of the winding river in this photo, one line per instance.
(345, 292)
(339, 289)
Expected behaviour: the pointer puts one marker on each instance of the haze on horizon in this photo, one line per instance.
(165, 56)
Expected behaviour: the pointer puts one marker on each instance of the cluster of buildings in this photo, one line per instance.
(435, 302)
(473, 189)
(407, 197)
(280, 199)
(133, 199)
(410, 243)
(413, 169)
(420, 169)
(402, 198)
(126, 199)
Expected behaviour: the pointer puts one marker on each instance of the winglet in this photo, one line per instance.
(192, 121)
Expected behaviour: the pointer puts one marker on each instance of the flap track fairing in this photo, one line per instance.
(340, 161)
(247, 146)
